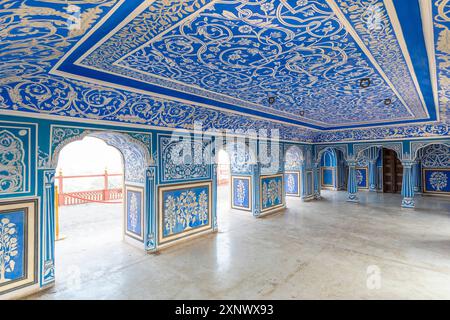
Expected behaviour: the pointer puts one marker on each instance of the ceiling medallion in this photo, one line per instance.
(271, 100)
(364, 82)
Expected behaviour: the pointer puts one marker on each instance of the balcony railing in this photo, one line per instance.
(105, 195)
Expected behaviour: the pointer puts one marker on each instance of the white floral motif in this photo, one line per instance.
(438, 180)
(8, 247)
(12, 165)
(291, 183)
(240, 193)
(133, 212)
(359, 177)
(272, 193)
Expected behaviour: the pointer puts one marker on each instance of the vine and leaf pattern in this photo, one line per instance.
(8, 248)
(247, 50)
(12, 163)
(436, 156)
(442, 39)
(35, 36)
(293, 158)
(185, 159)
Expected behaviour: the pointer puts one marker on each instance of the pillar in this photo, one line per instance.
(47, 190)
(302, 183)
(214, 197)
(255, 194)
(373, 175)
(408, 185)
(316, 171)
(151, 230)
(352, 184)
(416, 177)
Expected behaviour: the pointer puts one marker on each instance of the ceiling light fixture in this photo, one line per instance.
(387, 101)
(364, 82)
(271, 100)
(302, 113)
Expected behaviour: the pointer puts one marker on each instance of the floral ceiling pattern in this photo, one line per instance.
(302, 52)
(299, 52)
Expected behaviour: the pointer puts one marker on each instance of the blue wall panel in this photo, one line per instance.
(362, 178)
(241, 193)
(271, 188)
(184, 210)
(134, 212)
(292, 183)
(327, 177)
(437, 180)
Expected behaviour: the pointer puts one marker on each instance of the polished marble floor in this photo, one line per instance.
(327, 249)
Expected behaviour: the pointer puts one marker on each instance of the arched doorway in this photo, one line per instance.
(139, 180)
(294, 172)
(90, 216)
(241, 158)
(392, 172)
(223, 183)
(333, 170)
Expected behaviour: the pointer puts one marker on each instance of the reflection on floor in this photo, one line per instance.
(318, 249)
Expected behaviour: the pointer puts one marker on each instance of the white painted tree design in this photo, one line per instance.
(240, 192)
(8, 247)
(202, 209)
(170, 216)
(438, 180)
(133, 212)
(359, 177)
(272, 192)
(291, 183)
(186, 209)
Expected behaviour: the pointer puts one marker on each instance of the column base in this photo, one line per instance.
(352, 197)
(317, 196)
(307, 198)
(408, 203)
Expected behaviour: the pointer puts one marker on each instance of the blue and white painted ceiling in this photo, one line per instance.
(318, 70)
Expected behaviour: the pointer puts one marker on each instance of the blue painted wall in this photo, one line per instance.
(435, 164)
(29, 147)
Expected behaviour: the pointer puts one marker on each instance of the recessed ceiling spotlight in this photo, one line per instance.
(302, 113)
(271, 100)
(364, 82)
(387, 101)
